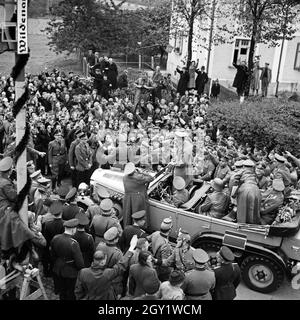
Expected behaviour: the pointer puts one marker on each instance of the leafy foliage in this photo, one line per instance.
(266, 123)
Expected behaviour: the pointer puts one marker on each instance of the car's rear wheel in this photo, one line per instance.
(261, 274)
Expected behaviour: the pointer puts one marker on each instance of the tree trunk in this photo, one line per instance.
(190, 41)
(251, 56)
(162, 53)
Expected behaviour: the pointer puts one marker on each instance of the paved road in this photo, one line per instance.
(285, 292)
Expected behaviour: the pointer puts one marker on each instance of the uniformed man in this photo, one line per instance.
(8, 191)
(223, 171)
(71, 209)
(228, 275)
(139, 221)
(161, 247)
(208, 168)
(57, 158)
(50, 229)
(84, 158)
(180, 195)
(99, 194)
(271, 201)
(42, 192)
(135, 187)
(67, 260)
(238, 165)
(34, 184)
(182, 256)
(84, 239)
(101, 223)
(72, 157)
(216, 204)
(199, 282)
(281, 171)
(114, 255)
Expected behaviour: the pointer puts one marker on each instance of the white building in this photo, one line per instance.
(222, 56)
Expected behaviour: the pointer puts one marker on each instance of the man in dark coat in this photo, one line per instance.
(112, 73)
(71, 209)
(114, 255)
(98, 79)
(135, 186)
(67, 261)
(139, 221)
(72, 157)
(183, 81)
(241, 78)
(123, 80)
(84, 159)
(49, 230)
(201, 80)
(57, 157)
(228, 275)
(85, 240)
(95, 283)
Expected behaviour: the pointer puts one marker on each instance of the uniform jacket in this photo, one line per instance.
(223, 173)
(198, 284)
(87, 246)
(181, 259)
(228, 277)
(282, 172)
(180, 197)
(8, 194)
(208, 170)
(95, 283)
(84, 156)
(57, 155)
(71, 154)
(216, 204)
(100, 224)
(128, 233)
(137, 275)
(66, 255)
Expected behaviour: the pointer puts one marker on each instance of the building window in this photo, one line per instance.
(297, 58)
(178, 42)
(241, 50)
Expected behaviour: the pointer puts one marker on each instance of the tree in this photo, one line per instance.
(264, 21)
(186, 13)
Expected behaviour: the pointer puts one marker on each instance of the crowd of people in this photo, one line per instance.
(79, 125)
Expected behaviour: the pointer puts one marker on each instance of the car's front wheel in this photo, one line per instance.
(261, 274)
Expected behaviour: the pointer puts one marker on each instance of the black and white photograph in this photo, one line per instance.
(150, 150)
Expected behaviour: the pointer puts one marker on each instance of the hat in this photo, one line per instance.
(129, 168)
(226, 254)
(56, 208)
(278, 185)
(151, 285)
(83, 220)
(106, 205)
(43, 180)
(166, 224)
(102, 192)
(111, 234)
(200, 256)
(176, 277)
(83, 185)
(71, 193)
(63, 191)
(279, 158)
(239, 163)
(73, 223)
(217, 184)
(6, 164)
(139, 215)
(184, 235)
(35, 174)
(181, 133)
(248, 163)
(178, 183)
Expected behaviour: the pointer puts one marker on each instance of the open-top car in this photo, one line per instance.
(265, 252)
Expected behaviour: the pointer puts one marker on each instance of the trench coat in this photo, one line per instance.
(135, 198)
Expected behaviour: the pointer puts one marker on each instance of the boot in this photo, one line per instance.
(231, 216)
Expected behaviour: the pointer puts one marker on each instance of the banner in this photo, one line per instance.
(22, 28)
